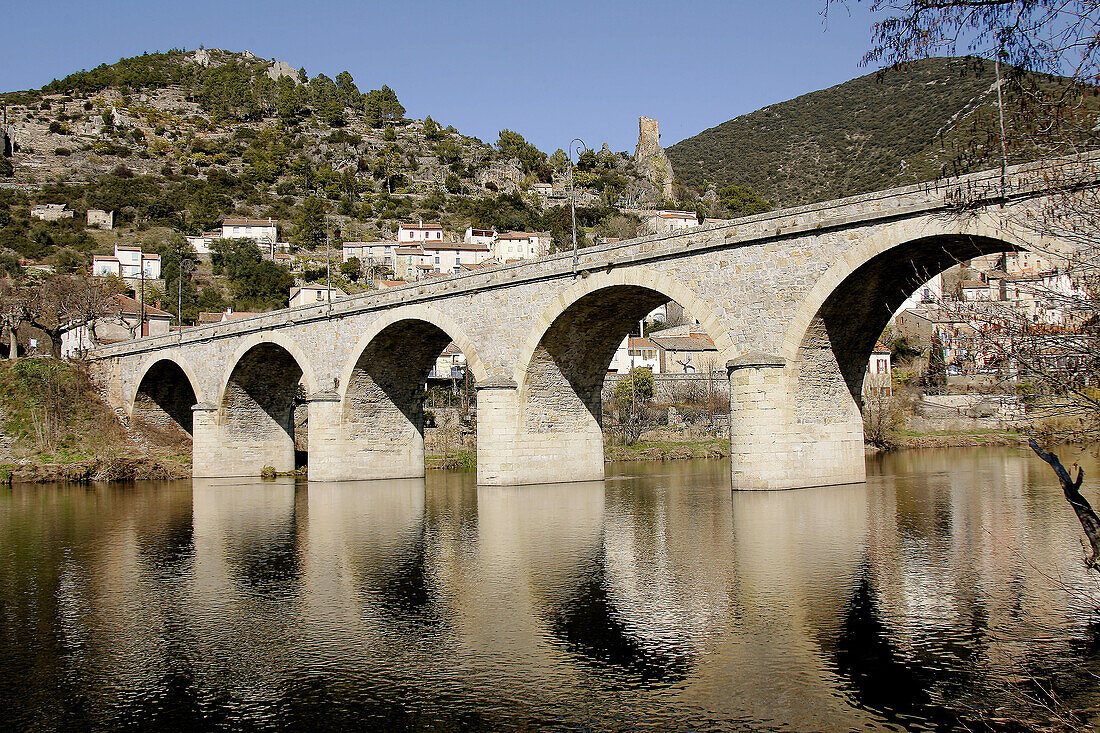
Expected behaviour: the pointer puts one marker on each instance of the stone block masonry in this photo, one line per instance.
(793, 301)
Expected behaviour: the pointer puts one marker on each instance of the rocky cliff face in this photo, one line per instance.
(650, 159)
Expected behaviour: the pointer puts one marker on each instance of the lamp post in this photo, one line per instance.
(581, 147)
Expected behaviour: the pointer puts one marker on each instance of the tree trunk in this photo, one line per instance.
(1072, 489)
(13, 341)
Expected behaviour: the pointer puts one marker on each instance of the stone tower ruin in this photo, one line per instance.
(650, 158)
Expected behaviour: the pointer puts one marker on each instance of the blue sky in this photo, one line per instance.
(549, 70)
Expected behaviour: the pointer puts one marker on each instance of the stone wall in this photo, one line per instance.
(792, 299)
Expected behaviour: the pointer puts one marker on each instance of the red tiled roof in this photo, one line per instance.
(130, 307)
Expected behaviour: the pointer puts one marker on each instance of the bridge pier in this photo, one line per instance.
(510, 452)
(770, 447)
(220, 452)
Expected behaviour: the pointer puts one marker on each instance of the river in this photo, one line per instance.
(949, 586)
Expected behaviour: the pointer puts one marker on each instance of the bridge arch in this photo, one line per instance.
(256, 404)
(165, 391)
(564, 362)
(637, 277)
(381, 393)
(412, 313)
(912, 253)
(827, 343)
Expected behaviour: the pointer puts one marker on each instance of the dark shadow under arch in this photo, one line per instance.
(567, 370)
(164, 398)
(258, 401)
(386, 388)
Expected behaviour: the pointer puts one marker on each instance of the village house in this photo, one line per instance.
(411, 263)
(123, 323)
(521, 245)
(633, 352)
(448, 258)
(667, 221)
(262, 231)
(419, 233)
(484, 237)
(312, 294)
(378, 254)
(878, 381)
(449, 365)
(101, 219)
(129, 263)
(51, 212)
(686, 350)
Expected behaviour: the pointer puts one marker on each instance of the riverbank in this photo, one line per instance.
(57, 429)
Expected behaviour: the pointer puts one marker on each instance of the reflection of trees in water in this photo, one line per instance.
(317, 703)
(169, 551)
(587, 621)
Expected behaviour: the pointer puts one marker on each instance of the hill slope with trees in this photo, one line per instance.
(881, 130)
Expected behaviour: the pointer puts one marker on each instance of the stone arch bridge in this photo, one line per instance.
(794, 301)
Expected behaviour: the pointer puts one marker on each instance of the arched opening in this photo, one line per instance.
(258, 409)
(834, 352)
(411, 382)
(163, 403)
(569, 378)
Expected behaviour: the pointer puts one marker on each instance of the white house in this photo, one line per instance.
(419, 233)
(878, 381)
(263, 231)
(447, 258)
(521, 245)
(451, 364)
(635, 352)
(203, 242)
(312, 294)
(666, 221)
(480, 236)
(128, 263)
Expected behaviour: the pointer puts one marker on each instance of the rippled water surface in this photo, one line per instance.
(951, 584)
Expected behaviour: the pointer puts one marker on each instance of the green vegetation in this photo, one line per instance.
(880, 130)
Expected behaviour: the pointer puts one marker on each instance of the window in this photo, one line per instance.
(319, 295)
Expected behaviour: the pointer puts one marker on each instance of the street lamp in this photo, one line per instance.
(580, 148)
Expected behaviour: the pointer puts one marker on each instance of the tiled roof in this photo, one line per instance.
(684, 343)
(130, 307)
(248, 223)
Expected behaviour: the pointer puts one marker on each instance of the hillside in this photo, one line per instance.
(874, 132)
(183, 139)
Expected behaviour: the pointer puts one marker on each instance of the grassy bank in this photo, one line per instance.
(55, 427)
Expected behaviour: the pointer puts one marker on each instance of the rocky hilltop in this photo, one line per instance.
(202, 135)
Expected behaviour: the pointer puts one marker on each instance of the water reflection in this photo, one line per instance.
(948, 582)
